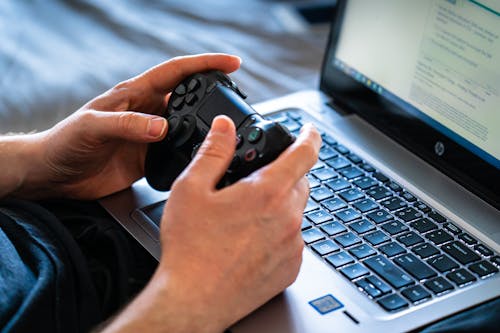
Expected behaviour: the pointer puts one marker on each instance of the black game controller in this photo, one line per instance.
(193, 105)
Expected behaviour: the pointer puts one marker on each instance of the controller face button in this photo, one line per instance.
(193, 85)
(254, 135)
(177, 103)
(191, 99)
(211, 86)
(250, 154)
(180, 90)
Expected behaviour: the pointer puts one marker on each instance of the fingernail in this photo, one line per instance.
(156, 127)
(220, 125)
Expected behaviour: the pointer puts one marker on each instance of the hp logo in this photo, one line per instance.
(439, 148)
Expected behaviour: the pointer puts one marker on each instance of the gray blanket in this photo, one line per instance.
(55, 55)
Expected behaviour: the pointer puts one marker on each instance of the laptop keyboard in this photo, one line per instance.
(395, 248)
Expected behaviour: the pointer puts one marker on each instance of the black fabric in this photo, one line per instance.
(65, 267)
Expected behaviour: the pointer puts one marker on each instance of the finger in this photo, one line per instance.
(215, 154)
(128, 125)
(163, 77)
(296, 160)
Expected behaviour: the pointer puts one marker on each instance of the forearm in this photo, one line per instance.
(165, 306)
(19, 156)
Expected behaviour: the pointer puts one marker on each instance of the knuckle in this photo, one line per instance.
(127, 121)
(213, 149)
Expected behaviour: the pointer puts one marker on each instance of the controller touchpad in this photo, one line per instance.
(218, 104)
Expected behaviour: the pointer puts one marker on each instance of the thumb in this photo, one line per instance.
(215, 153)
(128, 125)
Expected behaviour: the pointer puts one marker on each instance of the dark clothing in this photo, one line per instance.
(65, 270)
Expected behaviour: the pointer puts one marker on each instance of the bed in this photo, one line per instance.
(55, 55)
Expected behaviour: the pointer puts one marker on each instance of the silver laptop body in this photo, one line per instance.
(323, 298)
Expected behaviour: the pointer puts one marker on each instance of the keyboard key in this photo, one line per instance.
(388, 271)
(295, 115)
(379, 216)
(354, 158)
(326, 153)
(437, 217)
(313, 181)
(483, 268)
(367, 167)
(333, 228)
(453, 229)
(354, 271)
(362, 251)
(408, 214)
(311, 205)
(425, 250)
(318, 165)
(340, 259)
(468, 239)
(394, 227)
(338, 184)
(319, 216)
(348, 215)
(278, 117)
(460, 252)
(333, 204)
(496, 260)
(414, 266)
(338, 163)
(438, 285)
(408, 196)
(422, 206)
(394, 186)
(369, 288)
(423, 225)
(439, 236)
(365, 182)
(415, 293)
(325, 247)
(391, 249)
(351, 172)
(379, 192)
(347, 239)
(321, 193)
(461, 277)
(376, 237)
(365, 205)
(351, 194)
(393, 203)
(328, 139)
(312, 235)
(341, 149)
(442, 263)
(485, 251)
(361, 226)
(291, 125)
(392, 302)
(381, 177)
(305, 224)
(324, 174)
(379, 284)
(410, 239)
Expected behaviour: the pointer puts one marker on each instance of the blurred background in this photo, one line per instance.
(55, 55)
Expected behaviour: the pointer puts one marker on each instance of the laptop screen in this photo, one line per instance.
(430, 65)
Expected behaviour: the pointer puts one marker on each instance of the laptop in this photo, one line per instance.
(402, 227)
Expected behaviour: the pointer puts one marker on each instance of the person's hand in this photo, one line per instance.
(225, 252)
(101, 148)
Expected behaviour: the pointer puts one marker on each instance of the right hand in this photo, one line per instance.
(228, 251)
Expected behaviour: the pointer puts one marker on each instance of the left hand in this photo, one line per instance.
(101, 148)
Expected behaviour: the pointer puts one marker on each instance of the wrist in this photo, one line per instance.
(167, 304)
(20, 156)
